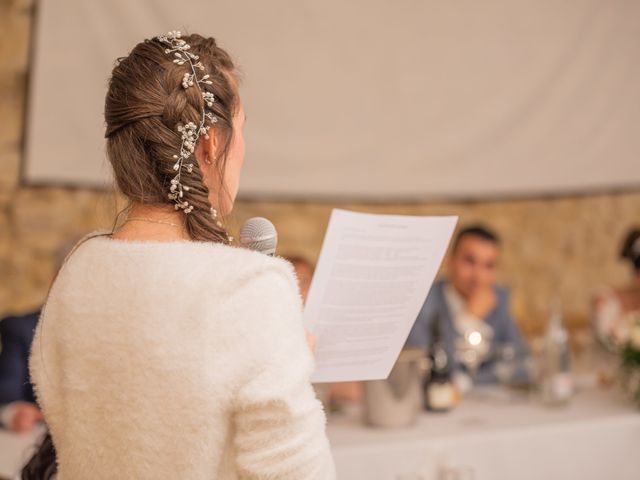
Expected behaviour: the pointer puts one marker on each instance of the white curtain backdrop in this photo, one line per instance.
(371, 99)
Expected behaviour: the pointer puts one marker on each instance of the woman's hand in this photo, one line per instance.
(25, 416)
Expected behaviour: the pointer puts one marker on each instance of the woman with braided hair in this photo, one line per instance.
(164, 351)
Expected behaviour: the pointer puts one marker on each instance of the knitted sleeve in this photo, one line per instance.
(279, 423)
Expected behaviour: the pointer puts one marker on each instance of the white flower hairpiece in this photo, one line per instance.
(190, 131)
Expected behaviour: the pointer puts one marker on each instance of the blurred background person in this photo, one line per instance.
(18, 409)
(615, 309)
(304, 272)
(472, 313)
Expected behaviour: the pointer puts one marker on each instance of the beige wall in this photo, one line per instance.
(565, 245)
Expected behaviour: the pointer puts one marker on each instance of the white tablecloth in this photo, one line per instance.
(596, 437)
(15, 450)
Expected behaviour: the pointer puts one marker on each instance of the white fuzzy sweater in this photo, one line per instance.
(178, 360)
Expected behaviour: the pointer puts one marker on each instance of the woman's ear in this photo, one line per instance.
(206, 150)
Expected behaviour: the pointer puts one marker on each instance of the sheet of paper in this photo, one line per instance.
(372, 277)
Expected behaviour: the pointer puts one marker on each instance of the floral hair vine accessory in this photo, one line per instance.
(190, 131)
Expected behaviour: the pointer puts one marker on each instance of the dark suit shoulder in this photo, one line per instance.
(20, 325)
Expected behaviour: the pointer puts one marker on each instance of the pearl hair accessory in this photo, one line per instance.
(190, 131)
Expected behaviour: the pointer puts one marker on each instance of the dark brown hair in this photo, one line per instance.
(628, 251)
(144, 106)
(478, 231)
(42, 465)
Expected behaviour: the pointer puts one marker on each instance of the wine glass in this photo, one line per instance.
(472, 347)
(506, 363)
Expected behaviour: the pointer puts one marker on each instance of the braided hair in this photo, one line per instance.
(145, 105)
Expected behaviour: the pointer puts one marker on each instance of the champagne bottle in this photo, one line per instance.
(440, 392)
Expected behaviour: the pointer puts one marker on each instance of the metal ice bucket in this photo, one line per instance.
(397, 401)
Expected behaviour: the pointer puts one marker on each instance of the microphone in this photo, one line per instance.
(259, 234)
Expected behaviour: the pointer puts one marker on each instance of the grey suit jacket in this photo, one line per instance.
(504, 327)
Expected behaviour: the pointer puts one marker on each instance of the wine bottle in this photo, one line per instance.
(440, 392)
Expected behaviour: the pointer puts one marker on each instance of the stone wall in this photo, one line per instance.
(563, 245)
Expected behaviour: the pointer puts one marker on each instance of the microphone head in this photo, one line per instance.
(259, 234)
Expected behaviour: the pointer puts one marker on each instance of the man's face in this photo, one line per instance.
(473, 265)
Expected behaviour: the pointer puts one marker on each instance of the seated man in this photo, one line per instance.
(18, 410)
(471, 315)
